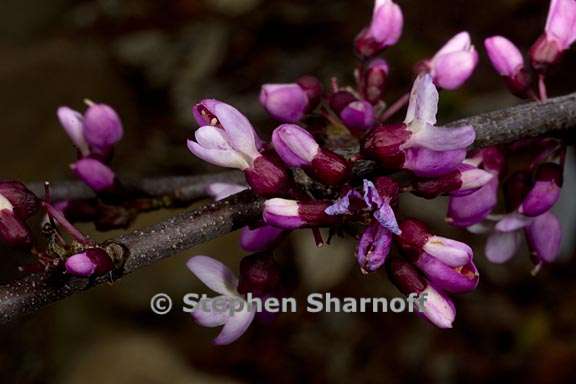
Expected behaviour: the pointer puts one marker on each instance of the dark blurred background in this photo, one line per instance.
(151, 59)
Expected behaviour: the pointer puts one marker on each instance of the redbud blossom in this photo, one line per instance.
(545, 190)
(373, 247)
(91, 262)
(544, 236)
(373, 80)
(454, 63)
(417, 144)
(559, 34)
(95, 174)
(464, 180)
(228, 139)
(221, 280)
(289, 102)
(357, 115)
(459, 279)
(384, 30)
(509, 63)
(298, 148)
(292, 214)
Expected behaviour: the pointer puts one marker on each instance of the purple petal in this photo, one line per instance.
(342, 206)
(240, 133)
(423, 105)
(464, 211)
(442, 139)
(387, 219)
(260, 239)
(387, 22)
(235, 326)
(73, 123)
(214, 274)
(512, 222)
(294, 145)
(544, 237)
(438, 308)
(459, 42)
(94, 174)
(451, 279)
(501, 246)
(543, 195)
(372, 197)
(102, 126)
(450, 71)
(80, 265)
(373, 247)
(284, 102)
(561, 22)
(504, 55)
(451, 252)
(358, 116)
(427, 163)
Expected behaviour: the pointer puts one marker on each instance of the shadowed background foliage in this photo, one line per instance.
(151, 59)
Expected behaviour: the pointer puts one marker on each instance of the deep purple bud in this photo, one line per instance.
(373, 80)
(416, 238)
(292, 214)
(259, 275)
(464, 211)
(509, 63)
(267, 177)
(102, 127)
(95, 174)
(383, 144)
(260, 239)
(373, 247)
(13, 231)
(544, 238)
(545, 192)
(460, 279)
(358, 117)
(24, 202)
(384, 30)
(94, 261)
(454, 63)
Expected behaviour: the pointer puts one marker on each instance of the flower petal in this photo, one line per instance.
(387, 219)
(459, 42)
(512, 222)
(205, 315)
(442, 139)
(423, 105)
(220, 191)
(214, 274)
(73, 123)
(428, 163)
(235, 326)
(240, 133)
(501, 246)
(221, 157)
(342, 206)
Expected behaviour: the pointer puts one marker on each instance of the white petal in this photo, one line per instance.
(441, 139)
(235, 326)
(222, 157)
(212, 137)
(73, 123)
(220, 191)
(214, 274)
(513, 221)
(423, 105)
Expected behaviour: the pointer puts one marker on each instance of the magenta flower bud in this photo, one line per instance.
(259, 275)
(509, 63)
(559, 34)
(260, 239)
(297, 148)
(437, 307)
(427, 163)
(94, 174)
(384, 30)
(464, 211)
(13, 231)
(374, 247)
(24, 202)
(292, 214)
(73, 123)
(373, 80)
(453, 64)
(544, 236)
(416, 238)
(267, 177)
(225, 138)
(358, 117)
(545, 192)
(102, 127)
(465, 180)
(460, 279)
(91, 262)
(284, 102)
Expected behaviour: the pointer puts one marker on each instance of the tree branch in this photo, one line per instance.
(144, 247)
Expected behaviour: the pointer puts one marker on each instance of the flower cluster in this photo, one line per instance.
(415, 156)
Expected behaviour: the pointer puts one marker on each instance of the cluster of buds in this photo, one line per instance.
(559, 34)
(17, 204)
(94, 135)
